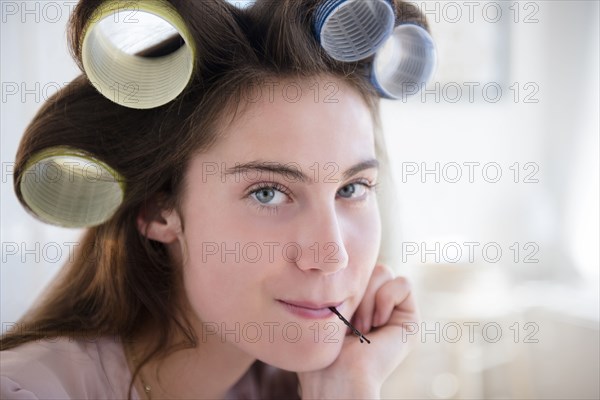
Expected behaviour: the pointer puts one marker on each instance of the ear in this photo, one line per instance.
(158, 223)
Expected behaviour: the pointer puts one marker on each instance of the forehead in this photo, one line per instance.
(320, 119)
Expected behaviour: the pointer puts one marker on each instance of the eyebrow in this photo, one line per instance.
(291, 171)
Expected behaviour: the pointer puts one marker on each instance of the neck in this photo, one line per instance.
(207, 371)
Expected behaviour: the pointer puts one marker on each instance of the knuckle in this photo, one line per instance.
(384, 271)
(404, 283)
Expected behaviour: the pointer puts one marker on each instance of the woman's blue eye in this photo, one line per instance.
(265, 195)
(347, 191)
(351, 190)
(269, 196)
(273, 195)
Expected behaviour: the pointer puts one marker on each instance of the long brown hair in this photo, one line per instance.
(119, 281)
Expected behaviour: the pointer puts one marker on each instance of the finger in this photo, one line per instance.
(364, 312)
(393, 295)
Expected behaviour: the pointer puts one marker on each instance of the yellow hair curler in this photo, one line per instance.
(71, 188)
(133, 80)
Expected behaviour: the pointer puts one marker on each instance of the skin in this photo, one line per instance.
(234, 294)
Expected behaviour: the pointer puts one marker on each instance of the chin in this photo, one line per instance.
(301, 357)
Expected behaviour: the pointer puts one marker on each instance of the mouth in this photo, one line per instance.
(310, 310)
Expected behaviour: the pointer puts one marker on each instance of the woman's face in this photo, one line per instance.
(279, 224)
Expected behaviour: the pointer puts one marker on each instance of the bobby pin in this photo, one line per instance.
(354, 330)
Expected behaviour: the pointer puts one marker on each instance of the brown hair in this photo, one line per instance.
(119, 281)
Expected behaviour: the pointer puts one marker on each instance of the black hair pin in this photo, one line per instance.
(354, 330)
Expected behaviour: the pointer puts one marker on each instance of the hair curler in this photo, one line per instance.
(71, 188)
(405, 63)
(133, 80)
(352, 30)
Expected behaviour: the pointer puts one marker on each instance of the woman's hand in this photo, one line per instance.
(386, 312)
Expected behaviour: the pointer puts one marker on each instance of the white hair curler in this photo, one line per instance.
(71, 188)
(128, 79)
(352, 30)
(405, 63)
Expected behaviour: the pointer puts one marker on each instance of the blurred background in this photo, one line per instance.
(497, 171)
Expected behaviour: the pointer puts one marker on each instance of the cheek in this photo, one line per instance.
(363, 241)
(205, 292)
(212, 274)
(363, 234)
(220, 291)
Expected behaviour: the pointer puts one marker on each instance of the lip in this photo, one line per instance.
(308, 309)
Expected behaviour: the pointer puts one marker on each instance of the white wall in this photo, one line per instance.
(35, 62)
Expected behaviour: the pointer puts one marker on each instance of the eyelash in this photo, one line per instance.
(371, 187)
(266, 185)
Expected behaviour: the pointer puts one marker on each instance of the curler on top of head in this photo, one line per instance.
(404, 57)
(352, 30)
(119, 71)
(406, 62)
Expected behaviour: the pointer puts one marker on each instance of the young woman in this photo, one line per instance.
(250, 209)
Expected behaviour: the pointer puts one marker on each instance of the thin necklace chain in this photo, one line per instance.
(147, 388)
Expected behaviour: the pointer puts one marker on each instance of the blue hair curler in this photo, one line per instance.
(352, 30)
(405, 63)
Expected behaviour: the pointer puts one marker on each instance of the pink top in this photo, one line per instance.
(66, 368)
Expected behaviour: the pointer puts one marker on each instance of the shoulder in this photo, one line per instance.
(65, 368)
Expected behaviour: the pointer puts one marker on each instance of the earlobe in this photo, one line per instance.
(162, 225)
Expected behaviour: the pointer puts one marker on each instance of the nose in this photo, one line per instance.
(321, 241)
